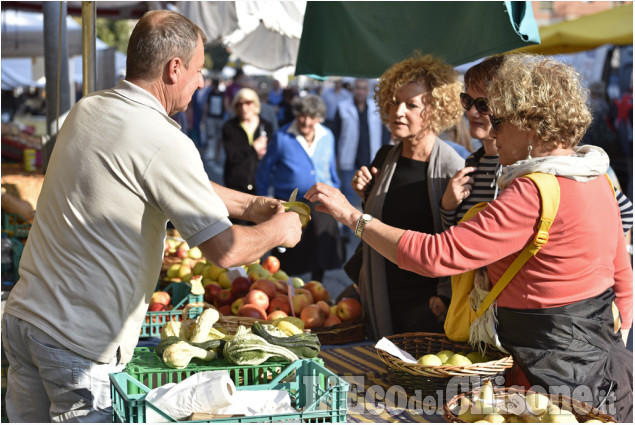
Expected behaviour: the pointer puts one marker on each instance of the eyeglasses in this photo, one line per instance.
(244, 102)
(496, 123)
(480, 103)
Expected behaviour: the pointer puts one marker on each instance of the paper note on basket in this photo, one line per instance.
(201, 392)
(386, 345)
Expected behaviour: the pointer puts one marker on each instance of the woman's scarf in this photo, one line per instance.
(586, 163)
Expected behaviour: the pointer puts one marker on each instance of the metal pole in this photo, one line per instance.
(89, 47)
(58, 96)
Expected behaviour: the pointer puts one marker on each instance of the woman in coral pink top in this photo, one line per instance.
(555, 317)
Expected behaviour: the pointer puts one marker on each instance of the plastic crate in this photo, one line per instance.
(147, 368)
(318, 394)
(15, 225)
(180, 295)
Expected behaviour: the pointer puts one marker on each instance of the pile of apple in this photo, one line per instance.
(262, 291)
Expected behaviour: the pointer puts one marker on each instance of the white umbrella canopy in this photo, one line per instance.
(263, 34)
(23, 36)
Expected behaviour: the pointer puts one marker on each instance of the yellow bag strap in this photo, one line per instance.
(550, 199)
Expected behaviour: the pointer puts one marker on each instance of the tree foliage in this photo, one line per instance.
(115, 33)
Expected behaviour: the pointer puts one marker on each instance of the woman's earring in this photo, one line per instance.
(529, 148)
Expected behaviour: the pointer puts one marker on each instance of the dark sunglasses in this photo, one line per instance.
(496, 123)
(480, 103)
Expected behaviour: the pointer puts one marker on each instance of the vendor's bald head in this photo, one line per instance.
(158, 37)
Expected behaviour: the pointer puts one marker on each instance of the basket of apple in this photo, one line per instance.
(516, 405)
(440, 360)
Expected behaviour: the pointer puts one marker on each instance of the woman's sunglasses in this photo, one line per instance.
(480, 103)
(496, 123)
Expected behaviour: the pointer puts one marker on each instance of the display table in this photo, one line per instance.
(372, 397)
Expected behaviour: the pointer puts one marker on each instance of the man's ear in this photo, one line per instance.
(174, 69)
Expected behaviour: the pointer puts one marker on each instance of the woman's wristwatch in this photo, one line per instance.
(362, 221)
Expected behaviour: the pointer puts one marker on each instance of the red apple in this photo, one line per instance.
(183, 250)
(281, 286)
(271, 263)
(240, 286)
(332, 320)
(312, 316)
(257, 297)
(278, 314)
(324, 308)
(160, 297)
(211, 289)
(225, 310)
(236, 305)
(252, 310)
(265, 286)
(156, 307)
(223, 297)
(349, 309)
(318, 291)
(281, 304)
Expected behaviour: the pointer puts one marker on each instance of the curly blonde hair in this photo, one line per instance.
(532, 92)
(442, 89)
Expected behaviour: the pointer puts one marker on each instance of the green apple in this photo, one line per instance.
(445, 355)
(458, 360)
(297, 282)
(198, 268)
(195, 253)
(429, 360)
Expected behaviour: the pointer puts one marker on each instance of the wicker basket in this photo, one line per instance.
(434, 380)
(344, 333)
(582, 411)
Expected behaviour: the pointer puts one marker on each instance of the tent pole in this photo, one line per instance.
(58, 95)
(89, 47)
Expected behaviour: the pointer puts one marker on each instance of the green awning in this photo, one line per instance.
(363, 39)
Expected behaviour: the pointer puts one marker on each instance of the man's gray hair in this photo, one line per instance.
(158, 37)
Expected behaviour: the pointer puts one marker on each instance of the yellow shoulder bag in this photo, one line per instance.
(460, 314)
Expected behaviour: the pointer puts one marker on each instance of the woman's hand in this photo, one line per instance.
(331, 201)
(260, 146)
(261, 208)
(459, 188)
(362, 179)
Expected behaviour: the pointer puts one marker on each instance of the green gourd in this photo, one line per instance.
(247, 349)
(304, 345)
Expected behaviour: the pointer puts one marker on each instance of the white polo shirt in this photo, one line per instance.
(119, 170)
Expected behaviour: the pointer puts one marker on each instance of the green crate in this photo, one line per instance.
(318, 394)
(180, 296)
(147, 368)
(15, 225)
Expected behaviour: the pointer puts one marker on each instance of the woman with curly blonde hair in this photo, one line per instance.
(556, 315)
(418, 99)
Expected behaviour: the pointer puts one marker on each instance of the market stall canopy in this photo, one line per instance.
(105, 9)
(23, 35)
(613, 26)
(363, 39)
(263, 34)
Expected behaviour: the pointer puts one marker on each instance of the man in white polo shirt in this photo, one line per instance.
(121, 168)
